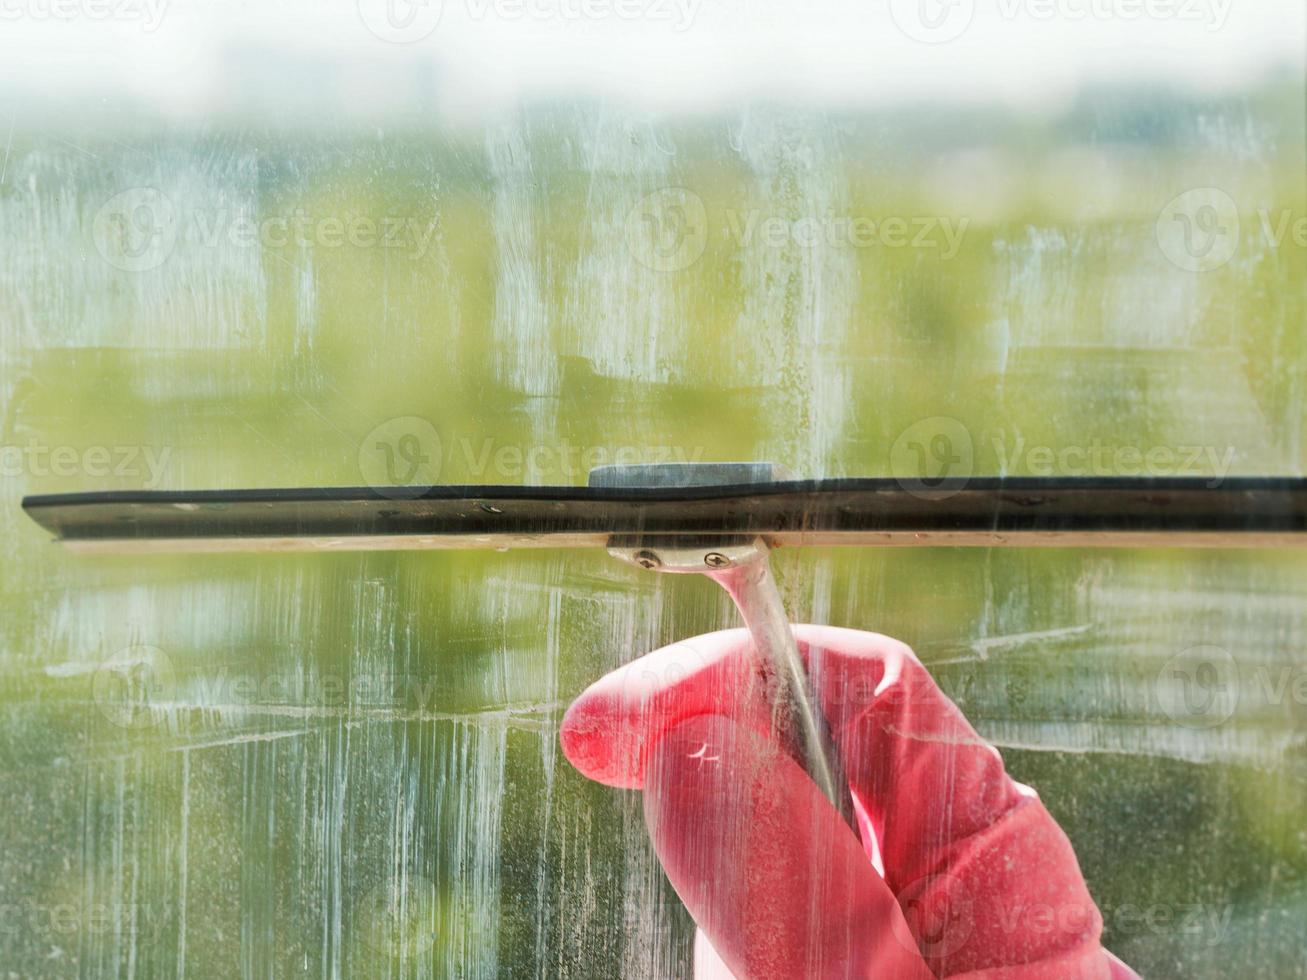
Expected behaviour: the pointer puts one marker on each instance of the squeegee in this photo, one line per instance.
(715, 519)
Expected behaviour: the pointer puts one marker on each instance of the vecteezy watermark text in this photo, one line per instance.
(486, 456)
(931, 232)
(936, 456)
(1212, 14)
(139, 229)
(140, 687)
(1103, 458)
(669, 229)
(409, 21)
(149, 13)
(408, 453)
(108, 918)
(944, 912)
(941, 21)
(40, 460)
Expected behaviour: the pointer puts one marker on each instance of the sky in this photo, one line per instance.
(185, 58)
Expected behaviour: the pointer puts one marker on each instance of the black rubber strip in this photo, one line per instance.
(1232, 505)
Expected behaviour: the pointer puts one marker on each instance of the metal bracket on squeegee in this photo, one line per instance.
(740, 565)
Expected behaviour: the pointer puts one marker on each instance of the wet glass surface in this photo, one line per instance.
(280, 248)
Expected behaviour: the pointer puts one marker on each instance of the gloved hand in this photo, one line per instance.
(963, 873)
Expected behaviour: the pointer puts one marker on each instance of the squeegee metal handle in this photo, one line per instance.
(741, 566)
(754, 590)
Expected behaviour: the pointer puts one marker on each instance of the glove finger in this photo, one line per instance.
(609, 729)
(766, 866)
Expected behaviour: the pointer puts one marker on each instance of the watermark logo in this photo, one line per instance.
(1199, 687)
(1204, 686)
(668, 229)
(933, 458)
(399, 919)
(131, 687)
(940, 912)
(400, 21)
(136, 230)
(1201, 230)
(401, 457)
(1198, 231)
(932, 21)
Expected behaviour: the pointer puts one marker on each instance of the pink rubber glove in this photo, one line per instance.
(977, 881)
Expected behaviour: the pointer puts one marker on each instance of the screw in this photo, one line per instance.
(715, 559)
(646, 559)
